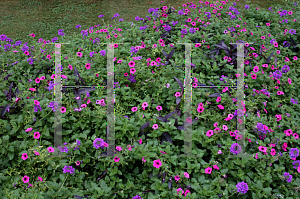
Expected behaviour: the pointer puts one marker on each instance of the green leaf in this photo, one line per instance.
(11, 155)
(62, 176)
(20, 119)
(268, 191)
(259, 185)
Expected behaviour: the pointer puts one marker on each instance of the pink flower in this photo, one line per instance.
(155, 126)
(118, 148)
(40, 179)
(50, 149)
(262, 148)
(134, 109)
(189, 120)
(131, 64)
(186, 175)
(29, 129)
(24, 156)
(177, 94)
(216, 124)
(159, 108)
(187, 191)
(209, 133)
(25, 179)
(208, 170)
(157, 163)
(178, 190)
(129, 147)
(79, 54)
(88, 66)
(116, 159)
(216, 167)
(36, 135)
(144, 105)
(36, 102)
(177, 177)
(63, 109)
(273, 152)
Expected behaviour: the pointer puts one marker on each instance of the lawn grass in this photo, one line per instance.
(45, 17)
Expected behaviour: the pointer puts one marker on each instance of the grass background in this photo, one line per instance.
(45, 17)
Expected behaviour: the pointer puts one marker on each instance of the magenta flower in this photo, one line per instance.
(177, 94)
(36, 135)
(88, 66)
(24, 156)
(220, 106)
(208, 170)
(131, 64)
(178, 190)
(134, 109)
(159, 108)
(25, 179)
(186, 175)
(209, 133)
(144, 105)
(29, 129)
(157, 163)
(36, 102)
(63, 109)
(143, 159)
(216, 167)
(50, 149)
(155, 126)
(116, 159)
(119, 148)
(132, 70)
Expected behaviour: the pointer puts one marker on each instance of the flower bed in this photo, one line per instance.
(150, 114)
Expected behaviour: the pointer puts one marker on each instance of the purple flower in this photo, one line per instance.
(98, 142)
(292, 31)
(285, 69)
(52, 105)
(296, 164)
(294, 152)
(68, 169)
(294, 101)
(277, 74)
(36, 107)
(242, 187)
(131, 78)
(235, 148)
(192, 30)
(288, 177)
